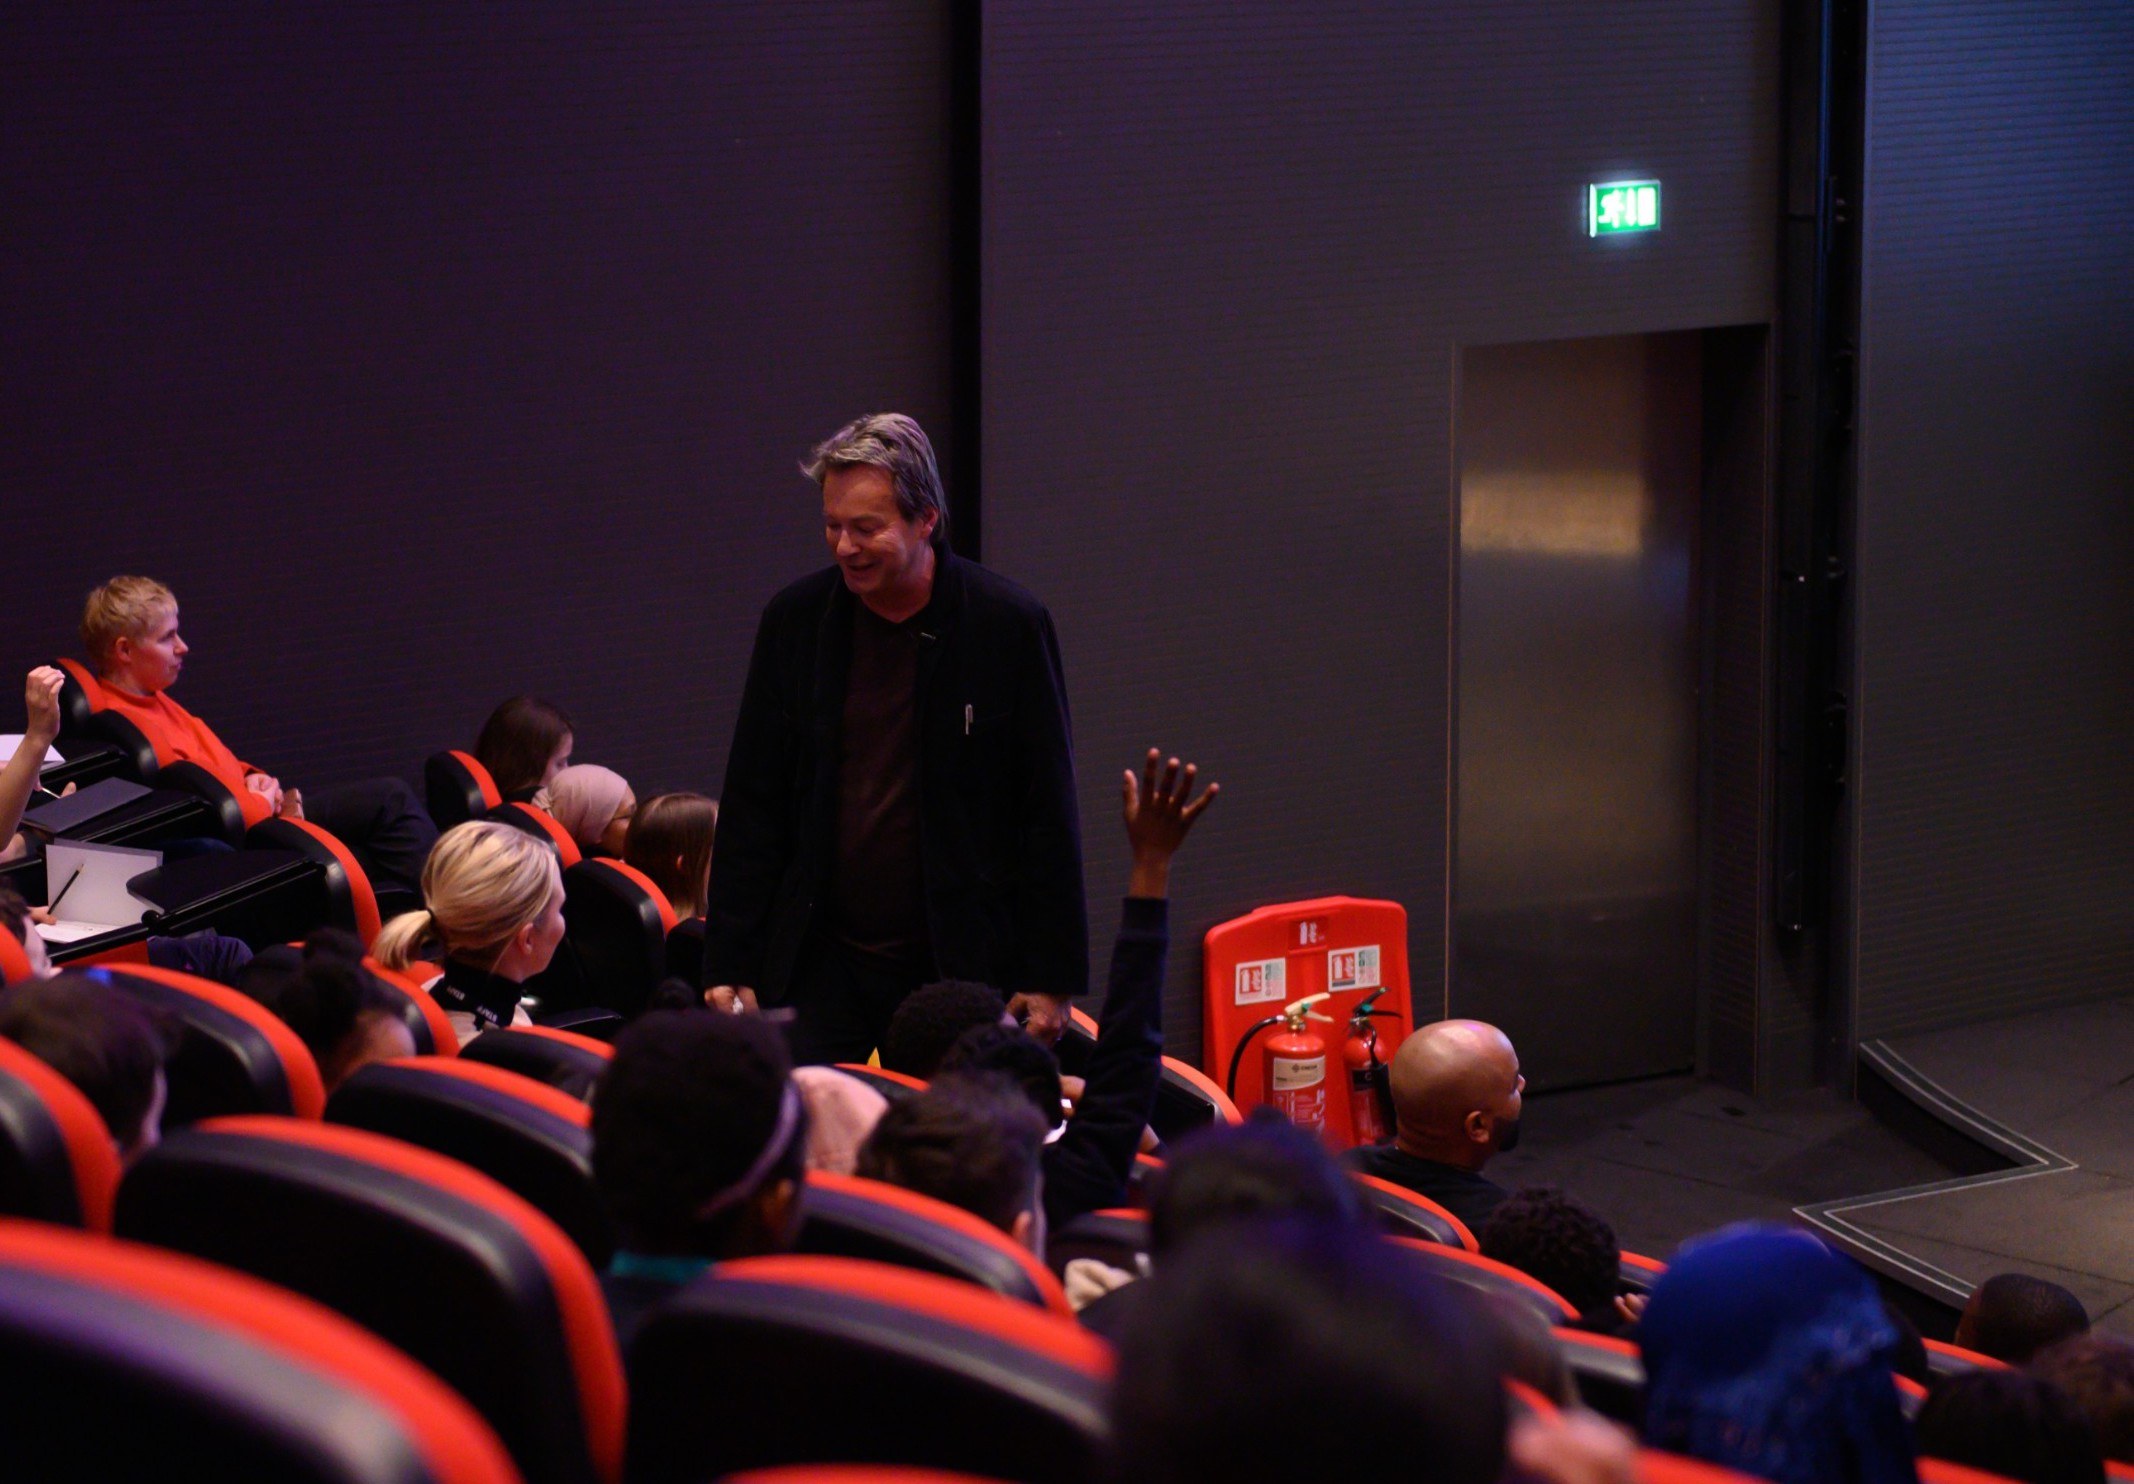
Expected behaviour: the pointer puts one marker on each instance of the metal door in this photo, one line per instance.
(1574, 881)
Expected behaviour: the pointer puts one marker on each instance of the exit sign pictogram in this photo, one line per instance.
(1622, 206)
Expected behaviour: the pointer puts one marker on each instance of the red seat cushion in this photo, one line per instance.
(36, 1103)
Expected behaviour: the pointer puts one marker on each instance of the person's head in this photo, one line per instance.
(524, 744)
(2097, 1373)
(595, 805)
(1243, 1172)
(337, 1009)
(2012, 1316)
(1012, 1052)
(970, 1140)
(1563, 1242)
(130, 629)
(492, 898)
(15, 919)
(1767, 1352)
(930, 1020)
(882, 506)
(670, 841)
(108, 1046)
(1457, 1093)
(1246, 1338)
(698, 1133)
(2010, 1424)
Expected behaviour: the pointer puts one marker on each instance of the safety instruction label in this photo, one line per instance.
(1352, 968)
(1263, 981)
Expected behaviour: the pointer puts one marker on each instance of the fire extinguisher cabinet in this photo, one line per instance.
(1344, 947)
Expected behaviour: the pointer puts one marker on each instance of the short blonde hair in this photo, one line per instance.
(482, 883)
(123, 608)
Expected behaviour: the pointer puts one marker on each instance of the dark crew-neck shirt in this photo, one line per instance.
(877, 897)
(1467, 1195)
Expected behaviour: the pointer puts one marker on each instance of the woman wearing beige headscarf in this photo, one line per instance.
(595, 804)
(842, 1112)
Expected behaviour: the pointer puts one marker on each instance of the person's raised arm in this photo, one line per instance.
(40, 698)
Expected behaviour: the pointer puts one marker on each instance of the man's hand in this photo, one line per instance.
(40, 699)
(1159, 812)
(267, 788)
(732, 999)
(1046, 1015)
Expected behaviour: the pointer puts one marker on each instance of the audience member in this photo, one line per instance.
(1767, 1352)
(842, 1113)
(18, 777)
(1457, 1095)
(337, 1009)
(2097, 1374)
(108, 1046)
(670, 841)
(1295, 1349)
(493, 910)
(2012, 1316)
(130, 629)
(2011, 1424)
(524, 744)
(210, 955)
(1564, 1243)
(595, 805)
(932, 1018)
(972, 1141)
(698, 1130)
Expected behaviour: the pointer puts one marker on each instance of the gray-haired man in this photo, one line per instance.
(899, 801)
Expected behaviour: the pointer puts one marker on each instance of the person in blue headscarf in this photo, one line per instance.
(1769, 1353)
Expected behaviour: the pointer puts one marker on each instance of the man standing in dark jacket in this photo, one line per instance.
(899, 801)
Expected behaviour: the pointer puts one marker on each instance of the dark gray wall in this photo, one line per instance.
(1994, 804)
(434, 353)
(1230, 251)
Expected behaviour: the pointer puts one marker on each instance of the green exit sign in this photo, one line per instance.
(1622, 206)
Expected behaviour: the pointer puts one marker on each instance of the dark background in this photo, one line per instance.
(436, 353)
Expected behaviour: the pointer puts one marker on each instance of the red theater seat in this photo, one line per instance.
(1403, 1213)
(234, 1056)
(126, 1363)
(542, 825)
(458, 788)
(1655, 1467)
(14, 959)
(425, 1018)
(85, 719)
(845, 1216)
(350, 901)
(853, 1362)
(534, 1140)
(57, 1161)
(1117, 1238)
(1487, 1275)
(614, 949)
(438, 1259)
(894, 1086)
(560, 1058)
(1941, 1471)
(1945, 1359)
(1609, 1371)
(1187, 1099)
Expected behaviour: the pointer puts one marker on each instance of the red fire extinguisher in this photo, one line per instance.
(1370, 1078)
(1296, 1064)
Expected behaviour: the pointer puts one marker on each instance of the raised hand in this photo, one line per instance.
(1160, 810)
(40, 699)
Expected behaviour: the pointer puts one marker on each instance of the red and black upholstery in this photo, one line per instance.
(1945, 1359)
(895, 1086)
(614, 949)
(1403, 1213)
(532, 1139)
(1487, 1275)
(846, 1216)
(1636, 1273)
(593, 1022)
(57, 1161)
(543, 826)
(14, 959)
(458, 788)
(424, 1017)
(87, 720)
(432, 1256)
(233, 1054)
(127, 1363)
(350, 902)
(853, 1362)
(560, 1058)
(1609, 1372)
(1941, 1471)
(1118, 1238)
(685, 951)
(1187, 1099)
(1655, 1467)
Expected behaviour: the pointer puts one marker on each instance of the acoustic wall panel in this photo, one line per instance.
(1993, 824)
(435, 353)
(1231, 251)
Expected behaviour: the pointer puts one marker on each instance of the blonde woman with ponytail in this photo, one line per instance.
(493, 912)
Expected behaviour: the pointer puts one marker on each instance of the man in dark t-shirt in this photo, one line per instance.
(899, 801)
(1457, 1095)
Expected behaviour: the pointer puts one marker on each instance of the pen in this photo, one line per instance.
(65, 889)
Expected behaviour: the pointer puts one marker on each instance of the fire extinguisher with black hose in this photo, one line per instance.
(1296, 1063)
(1370, 1077)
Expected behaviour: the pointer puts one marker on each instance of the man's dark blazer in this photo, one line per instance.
(1000, 836)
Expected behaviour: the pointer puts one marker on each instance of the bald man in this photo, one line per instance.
(1456, 1100)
